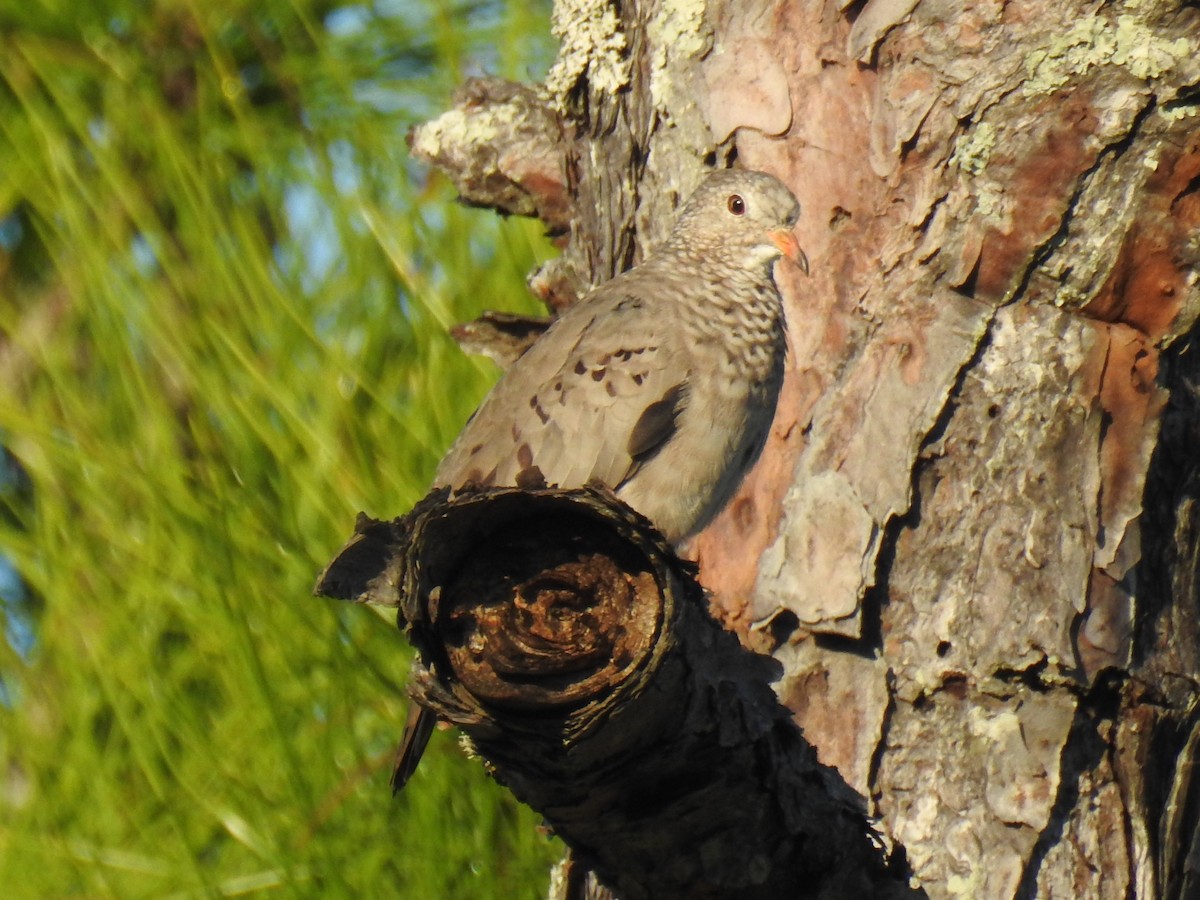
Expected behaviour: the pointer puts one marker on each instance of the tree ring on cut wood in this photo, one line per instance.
(534, 600)
(531, 623)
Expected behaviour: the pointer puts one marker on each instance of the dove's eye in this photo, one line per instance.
(736, 204)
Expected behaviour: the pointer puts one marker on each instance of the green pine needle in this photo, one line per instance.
(224, 289)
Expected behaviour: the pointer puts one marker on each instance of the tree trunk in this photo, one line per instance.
(973, 538)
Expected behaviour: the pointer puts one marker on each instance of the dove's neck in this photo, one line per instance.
(741, 274)
(712, 259)
(725, 299)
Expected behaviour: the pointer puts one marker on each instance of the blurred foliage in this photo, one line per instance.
(223, 296)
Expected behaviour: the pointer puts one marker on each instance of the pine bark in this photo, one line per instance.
(973, 539)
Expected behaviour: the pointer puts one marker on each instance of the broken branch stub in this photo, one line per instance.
(503, 146)
(502, 337)
(532, 600)
(575, 649)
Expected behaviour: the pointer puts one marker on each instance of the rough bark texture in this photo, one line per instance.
(973, 538)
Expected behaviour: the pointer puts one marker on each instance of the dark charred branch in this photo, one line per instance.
(576, 651)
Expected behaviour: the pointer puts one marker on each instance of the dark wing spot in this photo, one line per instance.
(580, 368)
(598, 374)
(537, 408)
(524, 456)
(476, 477)
(639, 377)
(610, 389)
(656, 424)
(530, 479)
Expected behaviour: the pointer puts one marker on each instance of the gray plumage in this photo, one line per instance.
(660, 383)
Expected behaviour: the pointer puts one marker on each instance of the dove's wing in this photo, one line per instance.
(596, 396)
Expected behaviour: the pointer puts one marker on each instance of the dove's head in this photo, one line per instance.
(750, 213)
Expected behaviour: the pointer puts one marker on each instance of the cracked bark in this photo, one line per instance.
(973, 538)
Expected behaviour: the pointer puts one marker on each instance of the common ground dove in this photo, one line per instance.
(660, 384)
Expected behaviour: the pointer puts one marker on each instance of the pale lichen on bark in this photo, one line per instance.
(503, 147)
(1128, 42)
(591, 43)
(677, 32)
(677, 38)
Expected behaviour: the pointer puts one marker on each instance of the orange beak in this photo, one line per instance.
(786, 242)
